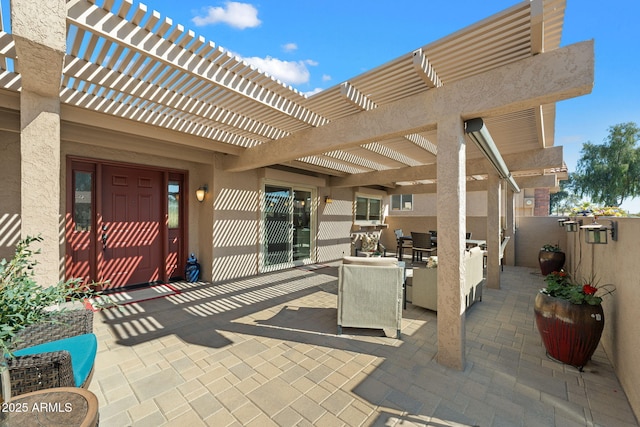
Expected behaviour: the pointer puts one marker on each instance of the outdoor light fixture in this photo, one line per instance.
(328, 199)
(200, 192)
(478, 132)
(572, 226)
(597, 234)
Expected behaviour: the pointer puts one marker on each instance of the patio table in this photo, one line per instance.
(469, 242)
(63, 406)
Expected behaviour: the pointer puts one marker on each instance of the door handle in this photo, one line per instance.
(104, 241)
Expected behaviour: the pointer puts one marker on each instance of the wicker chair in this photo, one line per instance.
(403, 242)
(421, 244)
(52, 369)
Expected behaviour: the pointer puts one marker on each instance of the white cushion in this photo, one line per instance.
(377, 261)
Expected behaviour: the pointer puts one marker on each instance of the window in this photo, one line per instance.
(173, 209)
(402, 202)
(83, 187)
(368, 209)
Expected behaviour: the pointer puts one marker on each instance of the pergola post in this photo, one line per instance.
(451, 205)
(39, 31)
(494, 190)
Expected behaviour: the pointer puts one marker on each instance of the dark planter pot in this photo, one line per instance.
(550, 261)
(570, 332)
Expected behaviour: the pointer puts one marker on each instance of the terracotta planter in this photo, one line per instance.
(550, 261)
(570, 332)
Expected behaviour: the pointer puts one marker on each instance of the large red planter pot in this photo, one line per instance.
(550, 261)
(570, 332)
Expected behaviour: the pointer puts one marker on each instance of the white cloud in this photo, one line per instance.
(326, 77)
(313, 92)
(235, 14)
(290, 47)
(289, 72)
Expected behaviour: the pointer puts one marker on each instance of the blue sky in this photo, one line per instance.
(317, 44)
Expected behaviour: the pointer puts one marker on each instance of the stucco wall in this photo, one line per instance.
(9, 193)
(534, 232)
(334, 223)
(425, 205)
(616, 263)
(235, 226)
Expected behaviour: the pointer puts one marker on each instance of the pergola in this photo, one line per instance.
(399, 127)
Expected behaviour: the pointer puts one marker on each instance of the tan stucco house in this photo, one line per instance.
(112, 117)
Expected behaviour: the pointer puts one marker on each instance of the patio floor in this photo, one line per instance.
(263, 351)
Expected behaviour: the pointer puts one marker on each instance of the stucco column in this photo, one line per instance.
(451, 241)
(510, 226)
(39, 32)
(494, 188)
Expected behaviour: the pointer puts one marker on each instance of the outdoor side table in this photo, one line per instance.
(53, 407)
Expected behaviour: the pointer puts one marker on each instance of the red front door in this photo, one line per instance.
(130, 230)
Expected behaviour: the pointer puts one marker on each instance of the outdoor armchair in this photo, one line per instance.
(56, 353)
(370, 293)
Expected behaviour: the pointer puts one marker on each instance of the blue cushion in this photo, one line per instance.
(82, 348)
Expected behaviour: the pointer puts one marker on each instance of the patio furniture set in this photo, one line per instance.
(372, 291)
(52, 362)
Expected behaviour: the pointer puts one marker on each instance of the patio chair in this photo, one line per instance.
(434, 237)
(370, 293)
(402, 243)
(421, 244)
(503, 245)
(369, 243)
(56, 353)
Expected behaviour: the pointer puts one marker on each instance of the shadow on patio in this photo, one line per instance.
(264, 351)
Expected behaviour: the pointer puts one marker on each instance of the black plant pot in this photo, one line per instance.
(550, 261)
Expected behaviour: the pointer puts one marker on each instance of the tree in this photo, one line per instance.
(610, 173)
(562, 201)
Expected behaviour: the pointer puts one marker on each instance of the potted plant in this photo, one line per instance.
(570, 318)
(23, 302)
(31, 315)
(551, 258)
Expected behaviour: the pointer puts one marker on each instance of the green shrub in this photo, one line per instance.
(23, 302)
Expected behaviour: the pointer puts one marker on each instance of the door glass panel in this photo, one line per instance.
(173, 258)
(277, 225)
(83, 186)
(301, 225)
(173, 209)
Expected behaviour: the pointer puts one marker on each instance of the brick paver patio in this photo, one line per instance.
(264, 351)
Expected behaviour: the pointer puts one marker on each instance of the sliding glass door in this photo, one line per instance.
(286, 226)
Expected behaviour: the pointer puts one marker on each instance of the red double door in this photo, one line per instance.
(124, 224)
